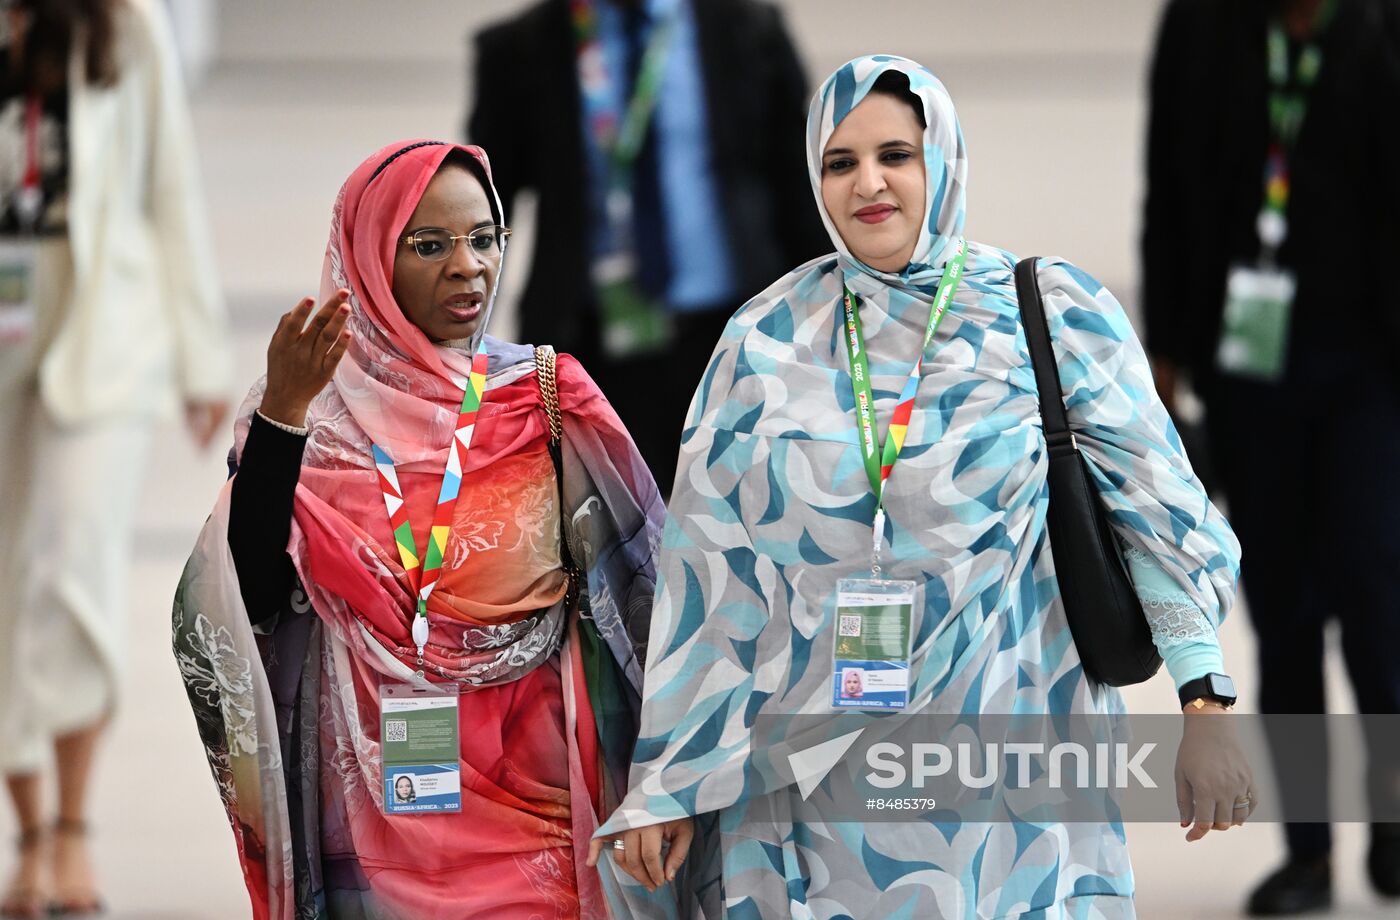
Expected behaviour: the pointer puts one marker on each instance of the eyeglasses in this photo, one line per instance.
(433, 244)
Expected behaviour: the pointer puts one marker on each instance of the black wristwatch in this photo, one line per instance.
(1217, 688)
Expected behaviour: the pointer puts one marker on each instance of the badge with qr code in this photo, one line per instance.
(419, 748)
(870, 658)
(17, 301)
(1256, 323)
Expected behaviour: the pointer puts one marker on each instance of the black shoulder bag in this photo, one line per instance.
(1105, 617)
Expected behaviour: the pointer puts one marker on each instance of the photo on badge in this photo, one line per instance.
(870, 655)
(420, 788)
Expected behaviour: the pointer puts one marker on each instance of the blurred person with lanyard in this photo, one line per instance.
(933, 501)
(412, 629)
(110, 322)
(662, 138)
(1271, 149)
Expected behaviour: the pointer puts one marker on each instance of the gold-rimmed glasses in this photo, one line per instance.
(433, 244)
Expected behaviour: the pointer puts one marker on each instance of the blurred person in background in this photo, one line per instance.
(110, 321)
(663, 138)
(1271, 167)
(391, 412)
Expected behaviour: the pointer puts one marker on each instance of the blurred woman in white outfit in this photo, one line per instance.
(110, 321)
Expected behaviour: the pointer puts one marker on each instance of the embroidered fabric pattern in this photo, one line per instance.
(1171, 615)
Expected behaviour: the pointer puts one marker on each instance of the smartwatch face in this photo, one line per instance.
(1221, 686)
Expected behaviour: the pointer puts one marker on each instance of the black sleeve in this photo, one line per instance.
(260, 517)
(800, 227)
(494, 122)
(1163, 220)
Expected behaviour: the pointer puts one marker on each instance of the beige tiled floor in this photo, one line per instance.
(278, 137)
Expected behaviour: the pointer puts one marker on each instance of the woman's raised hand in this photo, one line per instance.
(302, 357)
(640, 855)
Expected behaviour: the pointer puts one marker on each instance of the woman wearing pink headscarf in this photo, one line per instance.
(387, 415)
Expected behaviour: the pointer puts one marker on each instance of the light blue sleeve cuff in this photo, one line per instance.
(1184, 636)
(1190, 660)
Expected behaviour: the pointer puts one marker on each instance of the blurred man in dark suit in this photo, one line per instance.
(1273, 220)
(665, 141)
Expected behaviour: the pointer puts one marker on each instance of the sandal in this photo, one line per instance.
(74, 904)
(24, 902)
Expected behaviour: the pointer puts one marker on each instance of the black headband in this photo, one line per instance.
(400, 153)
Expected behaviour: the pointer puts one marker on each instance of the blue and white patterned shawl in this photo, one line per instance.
(772, 506)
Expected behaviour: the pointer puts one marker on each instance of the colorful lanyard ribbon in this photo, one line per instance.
(878, 470)
(1287, 107)
(621, 142)
(423, 573)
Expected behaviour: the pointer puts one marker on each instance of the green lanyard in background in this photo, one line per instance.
(1288, 105)
(620, 141)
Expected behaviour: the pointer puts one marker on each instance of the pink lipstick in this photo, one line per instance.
(875, 213)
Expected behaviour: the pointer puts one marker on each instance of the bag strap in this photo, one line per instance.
(1047, 371)
(546, 371)
(546, 368)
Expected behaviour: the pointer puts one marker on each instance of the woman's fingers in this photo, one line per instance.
(640, 854)
(1183, 800)
(1241, 815)
(680, 846)
(320, 339)
(289, 326)
(1203, 816)
(651, 856)
(629, 857)
(632, 857)
(330, 333)
(596, 847)
(1238, 815)
(1224, 806)
(311, 337)
(337, 351)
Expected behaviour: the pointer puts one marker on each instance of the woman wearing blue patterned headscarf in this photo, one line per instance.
(773, 504)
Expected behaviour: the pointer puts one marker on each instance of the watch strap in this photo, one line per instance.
(1203, 688)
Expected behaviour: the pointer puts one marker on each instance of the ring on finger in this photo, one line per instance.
(619, 844)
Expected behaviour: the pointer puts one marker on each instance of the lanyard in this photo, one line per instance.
(1288, 104)
(33, 109)
(878, 470)
(423, 573)
(29, 197)
(621, 142)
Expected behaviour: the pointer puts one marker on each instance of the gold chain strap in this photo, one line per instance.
(545, 370)
(549, 390)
